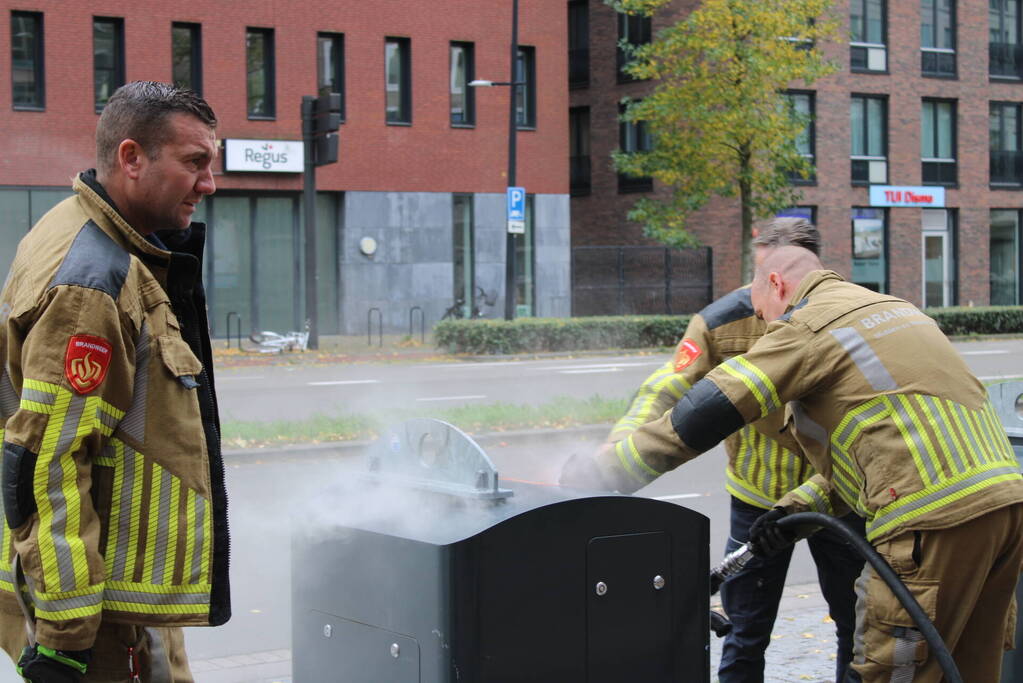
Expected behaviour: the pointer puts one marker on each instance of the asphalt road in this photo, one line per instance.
(296, 392)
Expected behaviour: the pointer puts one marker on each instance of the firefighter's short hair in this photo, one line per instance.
(789, 231)
(138, 111)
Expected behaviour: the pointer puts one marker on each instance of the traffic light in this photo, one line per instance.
(323, 118)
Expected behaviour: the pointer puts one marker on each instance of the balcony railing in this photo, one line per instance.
(939, 172)
(1006, 167)
(579, 67)
(937, 61)
(1005, 59)
(579, 183)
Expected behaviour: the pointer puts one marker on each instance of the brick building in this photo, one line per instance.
(916, 141)
(423, 157)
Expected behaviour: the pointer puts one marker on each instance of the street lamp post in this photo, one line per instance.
(509, 257)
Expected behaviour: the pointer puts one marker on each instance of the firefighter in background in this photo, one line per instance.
(763, 465)
(115, 529)
(898, 429)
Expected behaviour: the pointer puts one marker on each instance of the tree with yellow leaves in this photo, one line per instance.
(720, 122)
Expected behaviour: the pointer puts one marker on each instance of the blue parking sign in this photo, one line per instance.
(516, 203)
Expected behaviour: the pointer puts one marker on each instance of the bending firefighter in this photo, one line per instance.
(115, 514)
(763, 465)
(897, 429)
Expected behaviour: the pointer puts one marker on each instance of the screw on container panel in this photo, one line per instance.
(601, 588)
(395, 650)
(658, 582)
(327, 630)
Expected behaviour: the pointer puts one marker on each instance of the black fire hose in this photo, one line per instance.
(736, 560)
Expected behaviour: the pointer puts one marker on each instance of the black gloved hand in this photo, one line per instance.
(40, 664)
(767, 538)
(582, 472)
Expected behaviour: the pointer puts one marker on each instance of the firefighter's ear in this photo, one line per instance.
(130, 158)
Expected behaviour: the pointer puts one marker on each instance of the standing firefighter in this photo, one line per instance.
(898, 429)
(763, 465)
(113, 484)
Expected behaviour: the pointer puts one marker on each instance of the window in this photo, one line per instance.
(525, 263)
(463, 236)
(802, 105)
(807, 212)
(1004, 38)
(868, 120)
(398, 66)
(938, 142)
(579, 150)
(107, 58)
(870, 249)
(525, 94)
(186, 56)
(937, 227)
(1004, 142)
(634, 136)
(938, 37)
(867, 51)
(259, 61)
(330, 66)
(633, 30)
(463, 71)
(27, 83)
(1005, 257)
(578, 44)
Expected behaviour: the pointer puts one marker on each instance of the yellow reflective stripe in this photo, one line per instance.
(939, 435)
(931, 463)
(34, 407)
(65, 615)
(762, 390)
(40, 386)
(113, 525)
(814, 496)
(48, 447)
(907, 437)
(1000, 442)
(775, 401)
(172, 530)
(153, 519)
(664, 380)
(747, 493)
(189, 535)
(985, 455)
(851, 425)
(144, 598)
(958, 445)
(636, 458)
(207, 539)
(845, 478)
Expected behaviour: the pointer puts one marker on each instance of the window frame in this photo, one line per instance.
(811, 133)
(38, 62)
(469, 108)
(118, 70)
(854, 157)
(627, 25)
(885, 245)
(952, 161)
(525, 72)
(934, 52)
(269, 68)
(578, 44)
(1017, 256)
(338, 64)
(857, 47)
(465, 200)
(1018, 151)
(195, 53)
(631, 184)
(1017, 49)
(404, 46)
(580, 171)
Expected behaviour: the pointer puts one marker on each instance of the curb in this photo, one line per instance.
(337, 449)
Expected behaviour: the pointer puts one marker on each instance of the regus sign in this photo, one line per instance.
(264, 156)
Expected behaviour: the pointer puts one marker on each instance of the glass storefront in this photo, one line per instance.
(525, 265)
(870, 249)
(21, 208)
(1004, 250)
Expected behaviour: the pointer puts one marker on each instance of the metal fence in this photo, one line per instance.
(631, 280)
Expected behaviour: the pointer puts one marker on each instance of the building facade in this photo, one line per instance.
(413, 214)
(916, 143)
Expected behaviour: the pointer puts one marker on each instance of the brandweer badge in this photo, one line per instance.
(686, 353)
(86, 362)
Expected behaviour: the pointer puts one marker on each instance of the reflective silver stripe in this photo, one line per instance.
(950, 443)
(806, 425)
(978, 453)
(159, 661)
(915, 435)
(865, 358)
(768, 404)
(903, 656)
(9, 401)
(55, 492)
(134, 422)
(64, 604)
(127, 516)
(200, 534)
(747, 490)
(999, 442)
(162, 528)
(860, 587)
(106, 418)
(818, 502)
(943, 492)
(846, 433)
(767, 449)
(142, 598)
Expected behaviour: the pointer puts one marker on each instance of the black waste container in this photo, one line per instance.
(430, 570)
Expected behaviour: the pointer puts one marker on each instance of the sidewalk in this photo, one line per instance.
(802, 649)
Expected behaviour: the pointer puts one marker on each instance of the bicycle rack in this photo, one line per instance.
(380, 327)
(422, 322)
(238, 327)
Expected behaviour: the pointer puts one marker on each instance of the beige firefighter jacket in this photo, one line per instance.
(763, 462)
(112, 481)
(883, 406)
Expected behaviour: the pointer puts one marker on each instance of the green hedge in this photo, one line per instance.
(527, 335)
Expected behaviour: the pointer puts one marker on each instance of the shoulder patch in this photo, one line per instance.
(94, 261)
(86, 362)
(686, 354)
(729, 308)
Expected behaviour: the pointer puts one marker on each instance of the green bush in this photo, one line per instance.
(530, 335)
(559, 334)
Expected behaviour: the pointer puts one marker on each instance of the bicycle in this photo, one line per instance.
(457, 310)
(274, 342)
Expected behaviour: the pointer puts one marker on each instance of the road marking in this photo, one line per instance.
(223, 378)
(994, 377)
(600, 365)
(470, 364)
(993, 352)
(592, 371)
(451, 398)
(679, 496)
(333, 383)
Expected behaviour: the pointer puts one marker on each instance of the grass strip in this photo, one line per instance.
(558, 412)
